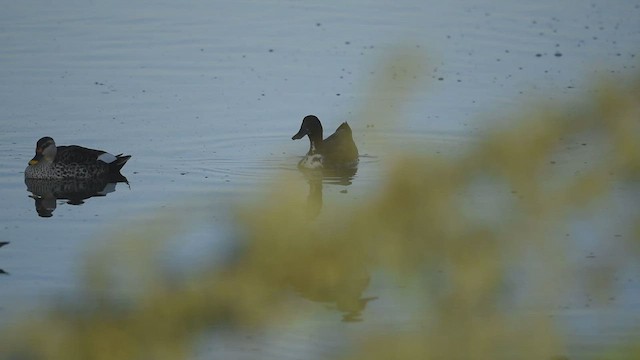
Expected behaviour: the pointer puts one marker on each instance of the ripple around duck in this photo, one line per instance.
(243, 155)
(237, 162)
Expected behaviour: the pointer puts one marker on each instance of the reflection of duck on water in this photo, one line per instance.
(317, 180)
(344, 291)
(3, 243)
(348, 301)
(46, 193)
(314, 199)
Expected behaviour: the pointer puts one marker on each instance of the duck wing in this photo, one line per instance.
(74, 154)
(342, 132)
(340, 147)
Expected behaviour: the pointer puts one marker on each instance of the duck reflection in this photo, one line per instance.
(317, 178)
(331, 272)
(345, 291)
(47, 192)
(3, 243)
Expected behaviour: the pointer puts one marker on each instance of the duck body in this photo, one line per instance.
(336, 151)
(72, 162)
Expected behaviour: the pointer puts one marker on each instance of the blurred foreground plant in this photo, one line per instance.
(419, 226)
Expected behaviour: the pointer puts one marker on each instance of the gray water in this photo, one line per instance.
(206, 95)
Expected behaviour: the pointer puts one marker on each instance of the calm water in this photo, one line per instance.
(206, 96)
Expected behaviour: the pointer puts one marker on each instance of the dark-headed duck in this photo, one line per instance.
(336, 151)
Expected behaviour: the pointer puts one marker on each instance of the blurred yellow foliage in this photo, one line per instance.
(415, 226)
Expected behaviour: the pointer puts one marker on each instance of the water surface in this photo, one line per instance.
(206, 96)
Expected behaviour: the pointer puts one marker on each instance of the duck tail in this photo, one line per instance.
(344, 127)
(121, 160)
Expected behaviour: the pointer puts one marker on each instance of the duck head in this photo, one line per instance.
(312, 128)
(45, 150)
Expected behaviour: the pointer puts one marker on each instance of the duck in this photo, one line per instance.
(72, 162)
(336, 151)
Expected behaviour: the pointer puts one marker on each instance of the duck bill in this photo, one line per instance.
(300, 134)
(36, 159)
